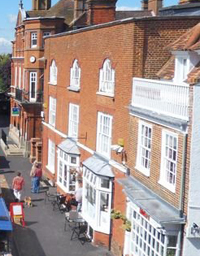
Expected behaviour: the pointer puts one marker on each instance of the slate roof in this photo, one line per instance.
(128, 14)
(189, 41)
(64, 8)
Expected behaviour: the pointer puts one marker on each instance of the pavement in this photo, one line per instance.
(44, 233)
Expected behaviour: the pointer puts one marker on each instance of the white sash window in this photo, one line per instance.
(73, 120)
(52, 111)
(33, 86)
(53, 73)
(75, 75)
(51, 156)
(104, 134)
(107, 79)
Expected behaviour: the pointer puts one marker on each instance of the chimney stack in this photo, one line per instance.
(101, 11)
(79, 7)
(41, 5)
(155, 5)
(144, 5)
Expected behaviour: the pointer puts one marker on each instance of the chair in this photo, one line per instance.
(70, 217)
(59, 203)
(80, 232)
(50, 194)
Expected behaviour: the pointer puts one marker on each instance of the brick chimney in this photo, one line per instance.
(79, 7)
(155, 5)
(41, 4)
(100, 11)
(144, 5)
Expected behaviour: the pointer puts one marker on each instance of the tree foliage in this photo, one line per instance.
(5, 72)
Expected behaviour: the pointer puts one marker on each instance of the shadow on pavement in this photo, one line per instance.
(4, 163)
(27, 242)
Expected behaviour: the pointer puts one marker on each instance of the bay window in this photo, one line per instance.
(68, 165)
(97, 194)
(147, 237)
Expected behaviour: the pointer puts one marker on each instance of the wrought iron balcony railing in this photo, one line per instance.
(26, 96)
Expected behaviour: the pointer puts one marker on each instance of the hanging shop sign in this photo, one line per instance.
(15, 111)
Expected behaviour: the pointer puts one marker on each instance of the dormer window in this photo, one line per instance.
(107, 79)
(182, 68)
(53, 73)
(75, 75)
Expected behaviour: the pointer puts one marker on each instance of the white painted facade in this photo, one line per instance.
(192, 238)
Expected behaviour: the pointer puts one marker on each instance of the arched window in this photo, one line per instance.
(75, 75)
(53, 73)
(107, 79)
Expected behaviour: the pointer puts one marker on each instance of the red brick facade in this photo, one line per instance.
(135, 49)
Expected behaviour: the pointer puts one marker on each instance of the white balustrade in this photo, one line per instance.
(161, 97)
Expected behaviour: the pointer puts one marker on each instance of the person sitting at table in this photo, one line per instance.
(78, 196)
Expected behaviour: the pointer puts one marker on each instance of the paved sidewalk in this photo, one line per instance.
(44, 233)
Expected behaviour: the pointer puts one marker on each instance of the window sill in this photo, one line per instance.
(50, 83)
(110, 95)
(167, 186)
(50, 169)
(52, 125)
(143, 170)
(73, 88)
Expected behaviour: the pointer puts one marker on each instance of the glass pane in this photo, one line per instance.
(105, 183)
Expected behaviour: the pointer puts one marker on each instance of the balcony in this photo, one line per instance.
(161, 97)
(27, 97)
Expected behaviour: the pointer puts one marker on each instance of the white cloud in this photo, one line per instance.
(5, 46)
(126, 8)
(12, 18)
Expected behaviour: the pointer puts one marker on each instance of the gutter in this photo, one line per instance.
(182, 191)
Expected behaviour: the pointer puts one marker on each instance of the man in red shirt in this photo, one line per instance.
(37, 178)
(17, 185)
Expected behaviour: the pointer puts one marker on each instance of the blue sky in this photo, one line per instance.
(9, 10)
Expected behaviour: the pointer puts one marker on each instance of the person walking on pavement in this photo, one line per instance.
(32, 174)
(37, 178)
(17, 185)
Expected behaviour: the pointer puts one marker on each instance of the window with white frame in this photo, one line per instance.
(67, 171)
(33, 86)
(104, 134)
(16, 76)
(96, 208)
(144, 148)
(53, 73)
(73, 120)
(51, 156)
(23, 83)
(75, 75)
(45, 33)
(169, 160)
(52, 111)
(107, 79)
(33, 39)
(20, 77)
(182, 68)
(146, 239)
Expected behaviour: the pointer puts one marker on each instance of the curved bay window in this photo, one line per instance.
(97, 197)
(68, 165)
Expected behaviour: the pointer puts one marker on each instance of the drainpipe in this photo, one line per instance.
(181, 199)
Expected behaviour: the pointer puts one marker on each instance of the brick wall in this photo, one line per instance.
(135, 49)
